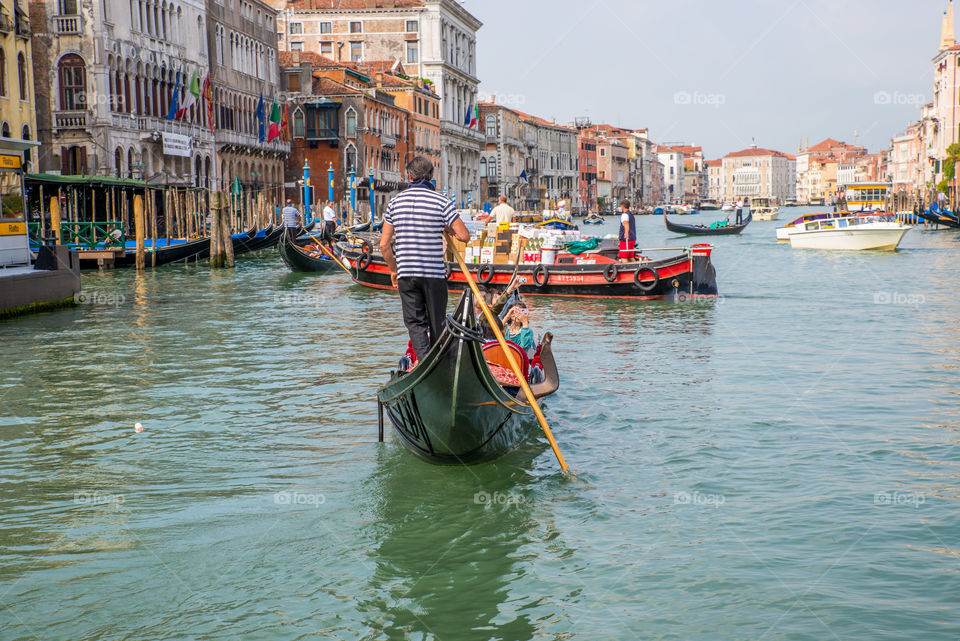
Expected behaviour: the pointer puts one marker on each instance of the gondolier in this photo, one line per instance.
(417, 217)
(329, 223)
(628, 233)
(291, 219)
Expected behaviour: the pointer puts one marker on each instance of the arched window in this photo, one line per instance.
(298, 124)
(492, 169)
(350, 157)
(22, 76)
(491, 126)
(351, 122)
(118, 162)
(73, 83)
(483, 167)
(130, 162)
(5, 129)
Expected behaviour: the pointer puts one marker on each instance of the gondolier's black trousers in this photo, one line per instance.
(424, 303)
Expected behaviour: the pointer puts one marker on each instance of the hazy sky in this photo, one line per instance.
(716, 73)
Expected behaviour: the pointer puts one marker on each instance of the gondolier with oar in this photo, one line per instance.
(417, 218)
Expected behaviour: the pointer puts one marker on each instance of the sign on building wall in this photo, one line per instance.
(177, 145)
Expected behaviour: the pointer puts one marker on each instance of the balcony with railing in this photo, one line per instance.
(67, 25)
(69, 120)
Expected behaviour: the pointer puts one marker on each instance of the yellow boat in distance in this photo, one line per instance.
(865, 196)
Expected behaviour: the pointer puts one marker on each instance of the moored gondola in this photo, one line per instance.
(300, 258)
(706, 230)
(451, 408)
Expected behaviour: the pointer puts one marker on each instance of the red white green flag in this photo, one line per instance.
(274, 121)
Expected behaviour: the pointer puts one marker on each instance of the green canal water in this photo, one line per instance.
(778, 464)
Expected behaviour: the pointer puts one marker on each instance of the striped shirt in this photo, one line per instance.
(290, 214)
(419, 216)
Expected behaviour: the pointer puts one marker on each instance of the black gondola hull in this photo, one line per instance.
(450, 409)
(299, 261)
(701, 230)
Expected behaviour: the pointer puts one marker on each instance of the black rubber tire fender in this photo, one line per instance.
(487, 269)
(363, 262)
(541, 269)
(611, 271)
(648, 287)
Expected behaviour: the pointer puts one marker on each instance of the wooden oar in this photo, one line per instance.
(510, 357)
(326, 251)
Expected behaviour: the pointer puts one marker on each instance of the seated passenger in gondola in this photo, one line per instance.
(518, 328)
(496, 305)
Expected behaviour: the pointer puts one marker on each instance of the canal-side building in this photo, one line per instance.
(672, 160)
(714, 169)
(106, 73)
(433, 39)
(422, 104)
(613, 181)
(344, 119)
(503, 161)
(17, 105)
(587, 167)
(818, 169)
(242, 41)
(755, 171)
(551, 161)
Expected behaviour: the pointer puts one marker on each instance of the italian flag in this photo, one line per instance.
(475, 116)
(274, 121)
(190, 96)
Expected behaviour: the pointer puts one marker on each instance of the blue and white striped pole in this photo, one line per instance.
(306, 192)
(353, 190)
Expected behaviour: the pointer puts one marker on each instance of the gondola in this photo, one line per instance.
(298, 260)
(451, 409)
(593, 219)
(244, 242)
(703, 230)
(941, 218)
(196, 249)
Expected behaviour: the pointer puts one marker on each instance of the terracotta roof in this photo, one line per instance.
(327, 87)
(540, 121)
(713, 163)
(830, 145)
(297, 58)
(756, 151)
(686, 150)
(343, 5)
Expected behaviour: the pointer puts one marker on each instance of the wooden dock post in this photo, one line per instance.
(55, 217)
(221, 246)
(139, 224)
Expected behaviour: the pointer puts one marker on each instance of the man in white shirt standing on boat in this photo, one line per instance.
(329, 222)
(503, 213)
(739, 210)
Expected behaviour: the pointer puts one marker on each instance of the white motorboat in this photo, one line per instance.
(728, 207)
(783, 233)
(764, 208)
(849, 233)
